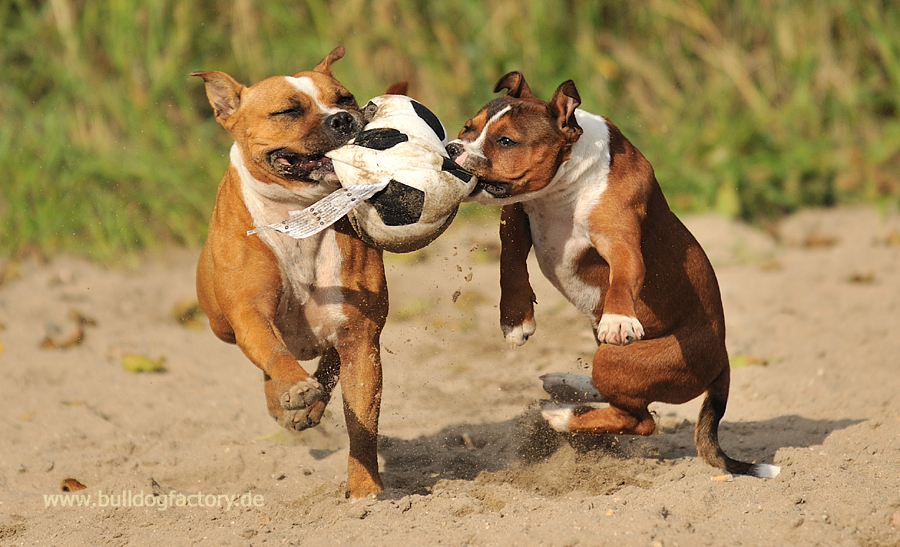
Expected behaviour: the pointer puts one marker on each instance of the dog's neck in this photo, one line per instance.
(307, 262)
(585, 171)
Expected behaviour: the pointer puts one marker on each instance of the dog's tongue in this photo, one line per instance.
(460, 159)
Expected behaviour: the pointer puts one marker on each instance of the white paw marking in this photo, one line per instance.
(519, 334)
(619, 330)
(558, 416)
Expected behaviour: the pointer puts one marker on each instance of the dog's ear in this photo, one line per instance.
(563, 105)
(324, 65)
(223, 92)
(397, 88)
(516, 84)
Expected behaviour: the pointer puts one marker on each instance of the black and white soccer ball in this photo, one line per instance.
(402, 147)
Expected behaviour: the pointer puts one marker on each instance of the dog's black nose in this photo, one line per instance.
(342, 123)
(454, 149)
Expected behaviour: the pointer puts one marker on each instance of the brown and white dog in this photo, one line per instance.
(285, 300)
(574, 188)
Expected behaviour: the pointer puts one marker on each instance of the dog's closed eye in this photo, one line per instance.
(293, 112)
(346, 100)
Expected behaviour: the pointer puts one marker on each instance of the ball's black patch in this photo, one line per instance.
(454, 169)
(380, 139)
(399, 204)
(428, 116)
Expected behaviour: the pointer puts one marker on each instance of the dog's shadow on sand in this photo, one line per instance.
(527, 454)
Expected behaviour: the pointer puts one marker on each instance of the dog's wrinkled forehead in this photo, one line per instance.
(508, 111)
(497, 108)
(322, 96)
(304, 93)
(489, 113)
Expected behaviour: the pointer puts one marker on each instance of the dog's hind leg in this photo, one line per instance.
(629, 378)
(671, 369)
(589, 420)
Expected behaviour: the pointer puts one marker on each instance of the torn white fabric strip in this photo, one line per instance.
(324, 212)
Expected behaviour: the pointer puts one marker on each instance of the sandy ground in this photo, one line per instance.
(812, 310)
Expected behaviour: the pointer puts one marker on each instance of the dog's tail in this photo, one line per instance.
(706, 434)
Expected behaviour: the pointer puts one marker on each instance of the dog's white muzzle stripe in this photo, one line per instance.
(476, 147)
(304, 84)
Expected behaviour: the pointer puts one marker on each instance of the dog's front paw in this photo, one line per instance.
(517, 335)
(302, 418)
(302, 395)
(619, 330)
(296, 405)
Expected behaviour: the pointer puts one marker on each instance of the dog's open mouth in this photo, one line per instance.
(295, 166)
(494, 188)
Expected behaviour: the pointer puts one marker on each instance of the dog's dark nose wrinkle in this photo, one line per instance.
(341, 123)
(454, 149)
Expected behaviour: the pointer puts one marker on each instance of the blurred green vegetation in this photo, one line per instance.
(751, 109)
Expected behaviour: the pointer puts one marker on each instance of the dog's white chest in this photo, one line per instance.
(558, 245)
(559, 218)
(310, 311)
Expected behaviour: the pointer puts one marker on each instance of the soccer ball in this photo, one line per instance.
(401, 149)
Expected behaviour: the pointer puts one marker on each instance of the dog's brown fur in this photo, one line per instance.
(657, 313)
(280, 299)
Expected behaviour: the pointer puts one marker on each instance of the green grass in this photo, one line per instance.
(751, 109)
